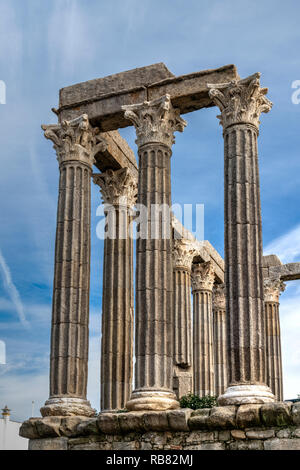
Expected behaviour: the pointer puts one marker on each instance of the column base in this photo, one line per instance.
(242, 394)
(67, 406)
(154, 400)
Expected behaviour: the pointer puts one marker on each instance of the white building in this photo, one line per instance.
(9, 433)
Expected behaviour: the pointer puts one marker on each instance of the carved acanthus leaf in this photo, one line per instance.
(183, 253)
(75, 140)
(155, 121)
(117, 187)
(203, 276)
(272, 289)
(240, 101)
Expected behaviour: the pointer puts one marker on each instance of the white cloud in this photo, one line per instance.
(286, 247)
(12, 291)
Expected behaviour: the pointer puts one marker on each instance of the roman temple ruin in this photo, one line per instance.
(199, 324)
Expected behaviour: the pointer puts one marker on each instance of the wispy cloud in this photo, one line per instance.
(286, 247)
(12, 291)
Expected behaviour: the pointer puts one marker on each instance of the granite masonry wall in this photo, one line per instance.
(274, 426)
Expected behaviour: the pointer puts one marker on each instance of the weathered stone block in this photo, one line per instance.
(284, 434)
(222, 417)
(248, 416)
(276, 414)
(156, 421)
(108, 423)
(207, 446)
(296, 433)
(238, 434)
(69, 425)
(28, 429)
(59, 443)
(296, 414)
(88, 427)
(260, 434)
(133, 421)
(178, 419)
(198, 436)
(223, 435)
(133, 445)
(246, 445)
(49, 426)
(145, 446)
(282, 444)
(199, 420)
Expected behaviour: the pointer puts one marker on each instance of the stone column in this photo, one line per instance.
(183, 253)
(220, 349)
(119, 191)
(75, 143)
(241, 103)
(272, 291)
(155, 124)
(203, 277)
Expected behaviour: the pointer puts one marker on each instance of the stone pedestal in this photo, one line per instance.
(155, 123)
(220, 348)
(203, 359)
(272, 290)
(241, 103)
(76, 144)
(183, 253)
(119, 191)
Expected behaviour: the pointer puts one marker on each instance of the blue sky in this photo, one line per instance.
(47, 45)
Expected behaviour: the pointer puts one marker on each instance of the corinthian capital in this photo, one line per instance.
(203, 276)
(155, 121)
(219, 297)
(117, 187)
(273, 289)
(75, 140)
(240, 101)
(183, 253)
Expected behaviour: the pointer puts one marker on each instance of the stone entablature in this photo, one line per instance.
(272, 426)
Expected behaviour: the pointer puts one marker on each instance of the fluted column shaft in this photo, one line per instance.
(154, 278)
(272, 290)
(220, 339)
(241, 104)
(182, 317)
(183, 253)
(119, 192)
(203, 357)
(155, 123)
(75, 142)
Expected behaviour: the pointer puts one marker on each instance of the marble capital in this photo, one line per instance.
(203, 276)
(273, 289)
(118, 188)
(240, 101)
(155, 121)
(183, 253)
(75, 140)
